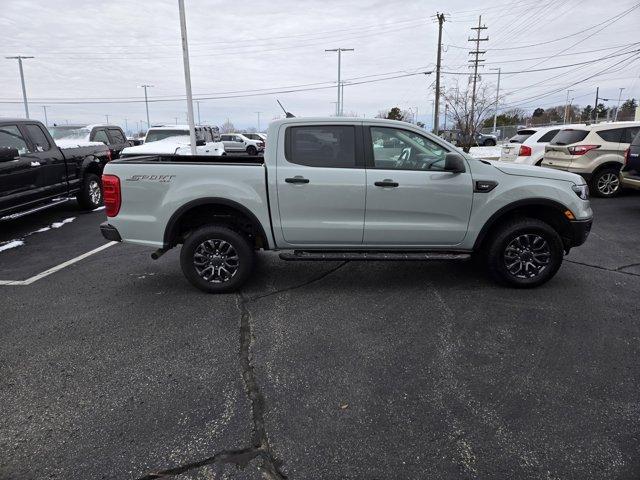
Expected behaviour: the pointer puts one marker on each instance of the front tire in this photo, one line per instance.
(490, 143)
(90, 195)
(216, 259)
(251, 150)
(606, 183)
(524, 253)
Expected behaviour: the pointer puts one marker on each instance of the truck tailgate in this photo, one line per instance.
(153, 191)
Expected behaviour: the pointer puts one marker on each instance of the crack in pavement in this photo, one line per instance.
(270, 466)
(614, 270)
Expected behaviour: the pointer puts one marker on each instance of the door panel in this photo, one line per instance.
(18, 177)
(321, 198)
(411, 200)
(52, 180)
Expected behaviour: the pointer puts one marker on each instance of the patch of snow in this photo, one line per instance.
(43, 229)
(490, 153)
(11, 244)
(99, 208)
(59, 224)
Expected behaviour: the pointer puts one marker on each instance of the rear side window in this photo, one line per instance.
(636, 139)
(614, 135)
(630, 134)
(567, 137)
(321, 146)
(547, 137)
(39, 139)
(521, 136)
(101, 136)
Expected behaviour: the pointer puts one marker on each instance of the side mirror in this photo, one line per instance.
(200, 143)
(454, 163)
(8, 153)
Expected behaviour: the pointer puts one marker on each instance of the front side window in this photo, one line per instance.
(10, 137)
(39, 139)
(322, 146)
(398, 149)
(225, 138)
(155, 135)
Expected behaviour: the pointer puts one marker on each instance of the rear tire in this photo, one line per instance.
(524, 253)
(490, 143)
(90, 195)
(216, 259)
(605, 183)
(251, 150)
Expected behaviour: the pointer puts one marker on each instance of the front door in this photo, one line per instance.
(321, 186)
(53, 168)
(19, 176)
(411, 200)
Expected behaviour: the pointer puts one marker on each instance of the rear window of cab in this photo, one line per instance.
(521, 136)
(567, 137)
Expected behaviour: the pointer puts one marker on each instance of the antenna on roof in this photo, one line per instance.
(287, 114)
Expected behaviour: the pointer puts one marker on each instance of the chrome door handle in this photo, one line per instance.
(297, 179)
(387, 182)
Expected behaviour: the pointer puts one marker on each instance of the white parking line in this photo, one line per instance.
(46, 273)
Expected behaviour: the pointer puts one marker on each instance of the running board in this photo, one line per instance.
(34, 210)
(310, 256)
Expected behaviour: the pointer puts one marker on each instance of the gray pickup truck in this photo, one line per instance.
(347, 189)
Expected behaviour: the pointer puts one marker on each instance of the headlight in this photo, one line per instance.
(581, 190)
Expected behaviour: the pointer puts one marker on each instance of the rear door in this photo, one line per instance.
(52, 179)
(18, 176)
(321, 185)
(411, 199)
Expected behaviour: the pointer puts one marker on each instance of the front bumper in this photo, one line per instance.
(579, 231)
(110, 232)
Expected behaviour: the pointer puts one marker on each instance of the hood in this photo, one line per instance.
(537, 172)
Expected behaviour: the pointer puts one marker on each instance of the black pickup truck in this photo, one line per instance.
(36, 174)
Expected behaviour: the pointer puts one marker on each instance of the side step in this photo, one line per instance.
(34, 210)
(310, 256)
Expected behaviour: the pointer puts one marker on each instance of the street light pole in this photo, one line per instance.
(258, 120)
(24, 90)
(495, 112)
(615, 118)
(187, 75)
(339, 50)
(107, 117)
(46, 120)
(198, 105)
(146, 102)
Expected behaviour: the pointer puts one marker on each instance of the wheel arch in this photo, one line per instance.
(202, 211)
(549, 211)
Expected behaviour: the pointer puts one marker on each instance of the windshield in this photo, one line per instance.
(76, 133)
(567, 137)
(155, 135)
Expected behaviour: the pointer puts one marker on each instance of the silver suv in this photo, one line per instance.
(595, 151)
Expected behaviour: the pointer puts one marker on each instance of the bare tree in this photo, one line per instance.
(227, 127)
(459, 102)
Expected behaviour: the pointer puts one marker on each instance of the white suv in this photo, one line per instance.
(527, 146)
(237, 142)
(594, 151)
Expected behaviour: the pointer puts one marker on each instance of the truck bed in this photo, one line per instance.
(193, 159)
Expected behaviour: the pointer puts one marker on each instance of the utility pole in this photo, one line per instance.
(495, 112)
(46, 120)
(198, 105)
(146, 102)
(187, 75)
(107, 117)
(566, 108)
(24, 90)
(258, 120)
(446, 110)
(615, 118)
(339, 50)
(595, 105)
(176, 119)
(477, 52)
(436, 119)
(126, 126)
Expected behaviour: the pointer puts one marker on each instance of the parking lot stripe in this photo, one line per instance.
(46, 273)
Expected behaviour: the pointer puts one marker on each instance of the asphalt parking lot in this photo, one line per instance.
(115, 367)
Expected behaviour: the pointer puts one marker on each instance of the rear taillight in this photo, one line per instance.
(525, 151)
(627, 153)
(111, 194)
(582, 149)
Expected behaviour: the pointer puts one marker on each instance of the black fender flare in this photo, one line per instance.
(172, 224)
(504, 211)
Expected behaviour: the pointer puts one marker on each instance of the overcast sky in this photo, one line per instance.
(102, 50)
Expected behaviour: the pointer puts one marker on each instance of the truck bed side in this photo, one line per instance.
(156, 190)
